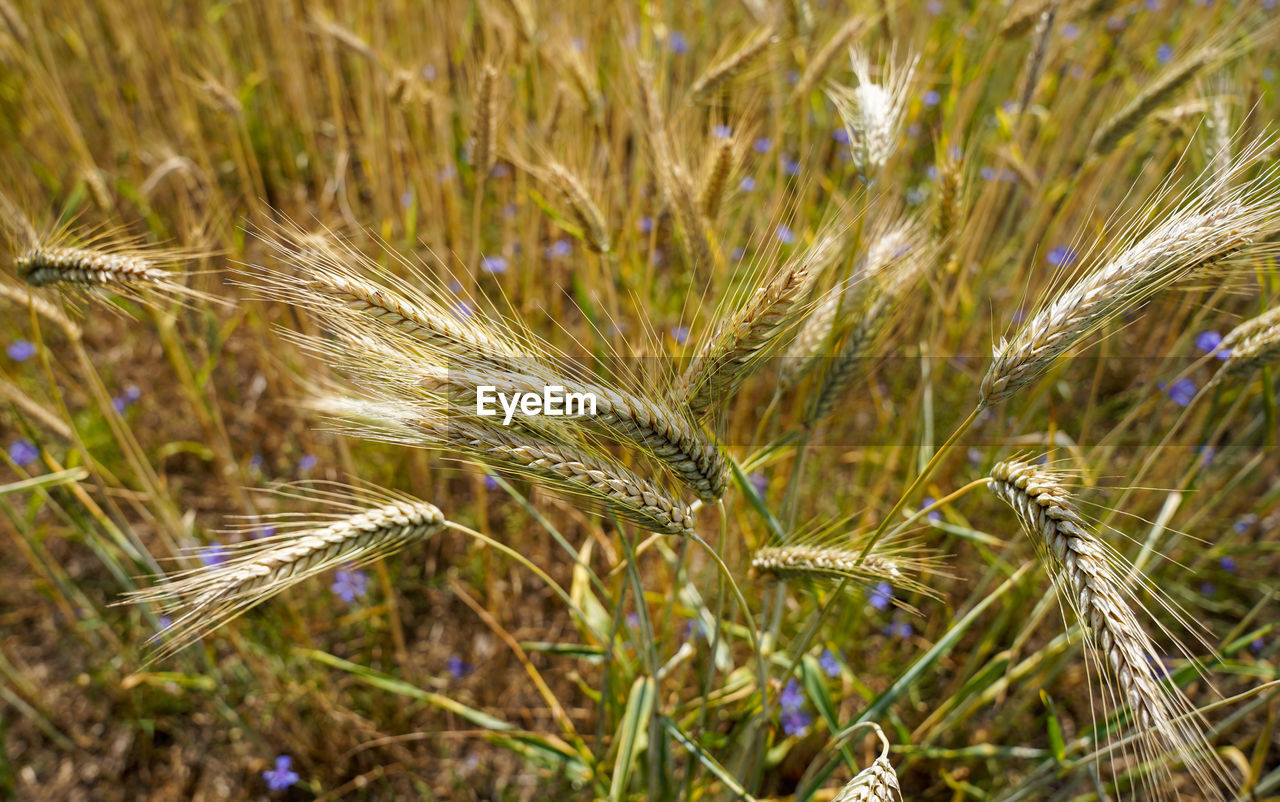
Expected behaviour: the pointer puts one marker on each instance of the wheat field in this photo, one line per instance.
(762, 400)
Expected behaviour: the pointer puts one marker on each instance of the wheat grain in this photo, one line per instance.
(1096, 592)
(732, 64)
(873, 113)
(202, 599)
(1181, 245)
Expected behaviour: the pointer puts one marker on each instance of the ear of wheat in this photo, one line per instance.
(1185, 242)
(133, 273)
(873, 113)
(202, 599)
(1252, 344)
(877, 782)
(1096, 592)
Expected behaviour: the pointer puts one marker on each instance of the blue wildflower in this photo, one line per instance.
(759, 482)
(1209, 341)
(1256, 646)
(932, 515)
(491, 482)
(881, 596)
(747, 183)
(899, 628)
(841, 136)
(1164, 53)
(762, 145)
(737, 253)
(722, 131)
(680, 334)
(132, 393)
(829, 664)
(790, 166)
(406, 199)
(933, 7)
(987, 173)
(264, 531)
(307, 462)
(645, 224)
(561, 247)
(350, 585)
(1208, 588)
(932, 98)
(785, 235)
(1071, 32)
(792, 697)
(1244, 523)
(796, 724)
(1182, 391)
(459, 668)
(1061, 256)
(282, 776)
(20, 350)
(213, 554)
(678, 43)
(493, 264)
(1228, 564)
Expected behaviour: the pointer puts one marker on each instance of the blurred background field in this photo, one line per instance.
(134, 431)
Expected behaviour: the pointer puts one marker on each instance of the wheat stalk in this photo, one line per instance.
(202, 599)
(1184, 242)
(732, 64)
(649, 424)
(1155, 94)
(1096, 592)
(873, 113)
(743, 339)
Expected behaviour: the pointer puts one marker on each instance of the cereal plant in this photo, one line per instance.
(515, 400)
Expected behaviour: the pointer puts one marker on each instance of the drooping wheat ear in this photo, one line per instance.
(751, 334)
(1097, 593)
(585, 211)
(486, 123)
(1155, 94)
(715, 178)
(646, 423)
(1035, 59)
(595, 480)
(822, 60)
(1179, 247)
(873, 113)
(24, 297)
(877, 782)
(1251, 345)
(202, 599)
(732, 64)
(345, 37)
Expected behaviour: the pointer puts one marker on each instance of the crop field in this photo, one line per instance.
(741, 400)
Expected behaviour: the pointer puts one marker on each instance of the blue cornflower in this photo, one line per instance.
(645, 224)
(462, 310)
(792, 697)
(790, 166)
(459, 668)
(737, 253)
(307, 462)
(1071, 32)
(282, 776)
(932, 515)
(762, 145)
(899, 628)
(932, 98)
(406, 199)
(350, 585)
(785, 235)
(987, 173)
(841, 136)
(829, 664)
(678, 43)
(561, 247)
(1164, 53)
(1208, 341)
(796, 724)
(132, 393)
(20, 350)
(491, 482)
(680, 334)
(747, 183)
(1208, 588)
(119, 404)
(213, 554)
(1256, 646)
(759, 482)
(493, 264)
(1244, 523)
(1061, 256)
(722, 131)
(265, 531)
(881, 596)
(1228, 564)
(1182, 391)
